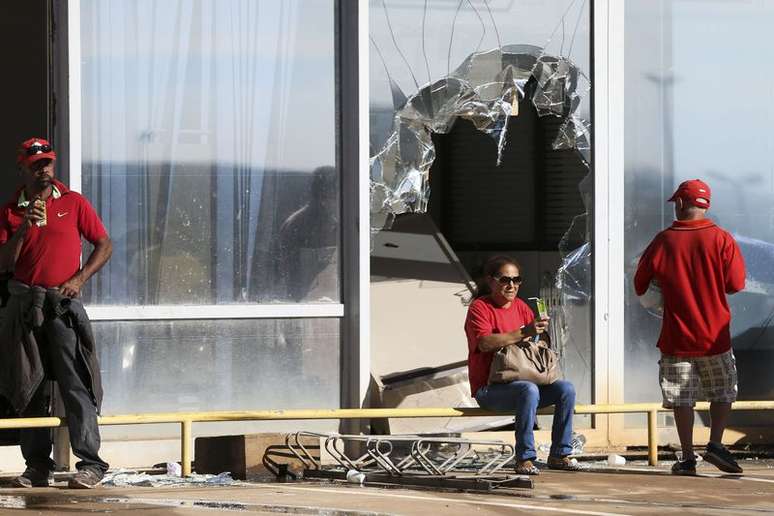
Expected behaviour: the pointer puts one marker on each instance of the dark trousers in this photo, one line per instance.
(524, 398)
(59, 346)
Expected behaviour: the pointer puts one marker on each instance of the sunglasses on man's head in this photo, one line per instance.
(504, 280)
(38, 148)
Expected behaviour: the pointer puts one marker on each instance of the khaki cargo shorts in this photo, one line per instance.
(686, 380)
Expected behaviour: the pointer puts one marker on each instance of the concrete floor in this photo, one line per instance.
(632, 489)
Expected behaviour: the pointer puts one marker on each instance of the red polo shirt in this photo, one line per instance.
(697, 264)
(485, 318)
(51, 254)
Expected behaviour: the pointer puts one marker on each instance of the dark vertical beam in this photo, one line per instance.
(24, 103)
(60, 89)
(48, 68)
(590, 213)
(347, 125)
(54, 44)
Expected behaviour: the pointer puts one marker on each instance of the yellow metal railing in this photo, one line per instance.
(186, 419)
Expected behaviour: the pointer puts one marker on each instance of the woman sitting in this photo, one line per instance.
(496, 319)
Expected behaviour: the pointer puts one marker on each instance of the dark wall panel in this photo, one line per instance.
(23, 95)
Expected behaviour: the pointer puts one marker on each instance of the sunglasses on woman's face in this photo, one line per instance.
(504, 280)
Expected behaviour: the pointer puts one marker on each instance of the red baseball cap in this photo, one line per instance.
(694, 191)
(33, 150)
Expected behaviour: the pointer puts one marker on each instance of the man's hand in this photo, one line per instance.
(71, 287)
(32, 214)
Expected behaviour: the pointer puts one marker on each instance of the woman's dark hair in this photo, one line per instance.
(491, 267)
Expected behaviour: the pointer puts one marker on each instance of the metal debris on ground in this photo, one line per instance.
(409, 460)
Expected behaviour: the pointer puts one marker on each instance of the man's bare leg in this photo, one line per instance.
(719, 413)
(684, 424)
(716, 453)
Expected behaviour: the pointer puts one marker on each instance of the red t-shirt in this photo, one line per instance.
(696, 264)
(51, 254)
(485, 318)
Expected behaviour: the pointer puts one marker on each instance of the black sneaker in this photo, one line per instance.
(720, 457)
(33, 477)
(684, 467)
(85, 479)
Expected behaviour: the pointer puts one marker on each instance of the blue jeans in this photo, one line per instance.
(525, 398)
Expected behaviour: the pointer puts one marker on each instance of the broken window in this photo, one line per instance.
(483, 94)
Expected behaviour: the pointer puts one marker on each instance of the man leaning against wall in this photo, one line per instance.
(46, 334)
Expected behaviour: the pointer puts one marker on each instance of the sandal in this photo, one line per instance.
(526, 467)
(564, 463)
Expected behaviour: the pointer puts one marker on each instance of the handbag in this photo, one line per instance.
(527, 361)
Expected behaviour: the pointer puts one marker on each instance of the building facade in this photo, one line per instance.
(300, 192)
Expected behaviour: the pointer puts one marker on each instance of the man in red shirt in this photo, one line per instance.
(695, 264)
(46, 332)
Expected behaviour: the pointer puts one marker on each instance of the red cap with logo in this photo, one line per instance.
(33, 150)
(694, 191)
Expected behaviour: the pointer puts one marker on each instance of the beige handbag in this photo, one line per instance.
(525, 361)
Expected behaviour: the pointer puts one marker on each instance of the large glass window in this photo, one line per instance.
(171, 366)
(698, 105)
(209, 140)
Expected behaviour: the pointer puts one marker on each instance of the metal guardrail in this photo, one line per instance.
(186, 419)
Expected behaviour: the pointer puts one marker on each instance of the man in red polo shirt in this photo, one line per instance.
(47, 332)
(695, 263)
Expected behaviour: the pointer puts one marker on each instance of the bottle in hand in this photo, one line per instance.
(42, 204)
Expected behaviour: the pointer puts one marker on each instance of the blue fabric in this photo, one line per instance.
(524, 398)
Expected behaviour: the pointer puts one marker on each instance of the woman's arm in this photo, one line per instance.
(500, 340)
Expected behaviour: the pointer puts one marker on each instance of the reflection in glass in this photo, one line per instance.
(686, 122)
(203, 124)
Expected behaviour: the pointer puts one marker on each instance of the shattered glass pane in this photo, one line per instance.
(483, 89)
(575, 134)
(475, 60)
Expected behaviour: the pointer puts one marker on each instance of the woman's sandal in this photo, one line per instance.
(526, 467)
(564, 463)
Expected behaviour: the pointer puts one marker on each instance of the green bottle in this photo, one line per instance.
(541, 307)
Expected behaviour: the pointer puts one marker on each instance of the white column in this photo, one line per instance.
(74, 92)
(609, 280)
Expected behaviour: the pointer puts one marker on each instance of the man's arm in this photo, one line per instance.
(644, 274)
(103, 248)
(10, 249)
(735, 270)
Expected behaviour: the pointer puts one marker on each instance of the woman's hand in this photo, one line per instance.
(535, 328)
